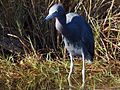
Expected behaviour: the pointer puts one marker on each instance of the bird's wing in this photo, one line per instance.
(74, 30)
(80, 30)
(87, 38)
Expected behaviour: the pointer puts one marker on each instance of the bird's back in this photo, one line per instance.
(79, 36)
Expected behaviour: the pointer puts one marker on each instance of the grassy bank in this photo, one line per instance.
(33, 74)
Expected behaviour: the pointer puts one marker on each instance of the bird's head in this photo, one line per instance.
(56, 10)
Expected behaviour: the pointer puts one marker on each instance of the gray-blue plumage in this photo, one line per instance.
(77, 34)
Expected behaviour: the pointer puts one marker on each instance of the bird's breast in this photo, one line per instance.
(73, 48)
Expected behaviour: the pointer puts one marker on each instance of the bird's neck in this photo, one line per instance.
(62, 19)
(61, 23)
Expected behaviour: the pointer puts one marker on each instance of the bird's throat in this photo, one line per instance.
(60, 24)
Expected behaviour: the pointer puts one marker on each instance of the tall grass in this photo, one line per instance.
(36, 58)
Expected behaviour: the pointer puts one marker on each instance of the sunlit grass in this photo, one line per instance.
(32, 73)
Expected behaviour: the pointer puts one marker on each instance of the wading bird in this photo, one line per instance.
(77, 36)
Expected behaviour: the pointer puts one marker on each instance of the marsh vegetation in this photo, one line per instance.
(32, 54)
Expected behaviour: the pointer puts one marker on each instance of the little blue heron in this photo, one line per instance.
(77, 36)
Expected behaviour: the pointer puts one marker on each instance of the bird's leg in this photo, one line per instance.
(71, 70)
(83, 71)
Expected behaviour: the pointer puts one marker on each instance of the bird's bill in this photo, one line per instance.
(51, 16)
